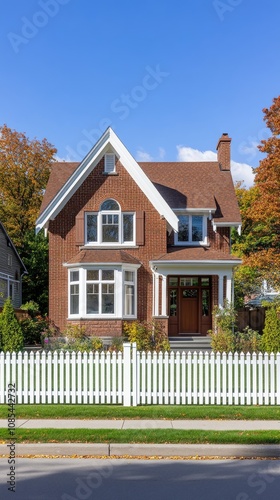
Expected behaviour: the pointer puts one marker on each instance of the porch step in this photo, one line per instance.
(190, 343)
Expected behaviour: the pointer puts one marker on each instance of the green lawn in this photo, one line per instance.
(144, 412)
(141, 436)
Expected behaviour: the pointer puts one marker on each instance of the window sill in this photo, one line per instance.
(111, 173)
(101, 318)
(91, 246)
(196, 244)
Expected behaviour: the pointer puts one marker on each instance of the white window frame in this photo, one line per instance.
(130, 283)
(119, 291)
(204, 241)
(121, 241)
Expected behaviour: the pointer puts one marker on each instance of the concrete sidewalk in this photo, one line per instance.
(219, 425)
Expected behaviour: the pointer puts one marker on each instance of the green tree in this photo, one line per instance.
(11, 333)
(271, 332)
(35, 257)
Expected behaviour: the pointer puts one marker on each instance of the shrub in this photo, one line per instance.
(223, 341)
(248, 341)
(148, 336)
(31, 307)
(116, 344)
(11, 333)
(271, 332)
(76, 340)
(223, 337)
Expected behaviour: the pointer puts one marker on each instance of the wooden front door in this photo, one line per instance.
(189, 305)
(189, 310)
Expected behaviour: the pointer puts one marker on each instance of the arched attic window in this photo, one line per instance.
(110, 226)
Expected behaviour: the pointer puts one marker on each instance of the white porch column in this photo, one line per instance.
(163, 296)
(221, 290)
(156, 294)
(229, 288)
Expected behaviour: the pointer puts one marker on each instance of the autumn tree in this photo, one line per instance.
(265, 209)
(24, 171)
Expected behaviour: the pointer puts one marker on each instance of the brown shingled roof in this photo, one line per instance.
(194, 253)
(195, 185)
(93, 256)
(60, 173)
(181, 184)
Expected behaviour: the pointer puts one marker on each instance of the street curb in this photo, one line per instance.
(144, 450)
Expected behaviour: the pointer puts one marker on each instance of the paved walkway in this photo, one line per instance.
(144, 450)
(220, 425)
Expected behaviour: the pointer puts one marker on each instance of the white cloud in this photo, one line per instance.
(240, 171)
(161, 153)
(190, 154)
(143, 156)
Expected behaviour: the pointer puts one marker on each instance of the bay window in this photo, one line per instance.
(103, 292)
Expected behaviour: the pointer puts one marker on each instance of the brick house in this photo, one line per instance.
(132, 240)
(11, 270)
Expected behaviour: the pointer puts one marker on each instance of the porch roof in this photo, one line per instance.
(200, 253)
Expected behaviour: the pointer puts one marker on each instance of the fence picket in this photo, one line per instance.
(277, 367)
(37, 378)
(26, 378)
(266, 379)
(2, 378)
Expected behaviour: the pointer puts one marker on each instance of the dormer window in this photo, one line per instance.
(192, 230)
(109, 163)
(110, 226)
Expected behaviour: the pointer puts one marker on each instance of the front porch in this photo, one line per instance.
(185, 295)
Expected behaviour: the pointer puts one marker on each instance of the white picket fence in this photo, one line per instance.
(136, 378)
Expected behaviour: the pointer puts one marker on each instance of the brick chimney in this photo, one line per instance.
(223, 148)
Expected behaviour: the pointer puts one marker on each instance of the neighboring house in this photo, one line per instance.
(11, 270)
(132, 240)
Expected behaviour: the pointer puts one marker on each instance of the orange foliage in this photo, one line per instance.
(24, 171)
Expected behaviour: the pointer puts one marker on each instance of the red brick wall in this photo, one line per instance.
(95, 189)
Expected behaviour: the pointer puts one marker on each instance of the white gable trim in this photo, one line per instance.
(109, 138)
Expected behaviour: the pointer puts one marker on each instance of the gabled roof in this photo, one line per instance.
(80, 173)
(12, 246)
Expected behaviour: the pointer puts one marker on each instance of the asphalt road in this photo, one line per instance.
(86, 479)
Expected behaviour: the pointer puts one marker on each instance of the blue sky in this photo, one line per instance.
(169, 76)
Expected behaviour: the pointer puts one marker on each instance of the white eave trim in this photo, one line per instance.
(88, 164)
(238, 225)
(235, 262)
(102, 264)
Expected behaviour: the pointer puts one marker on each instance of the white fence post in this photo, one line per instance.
(126, 374)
